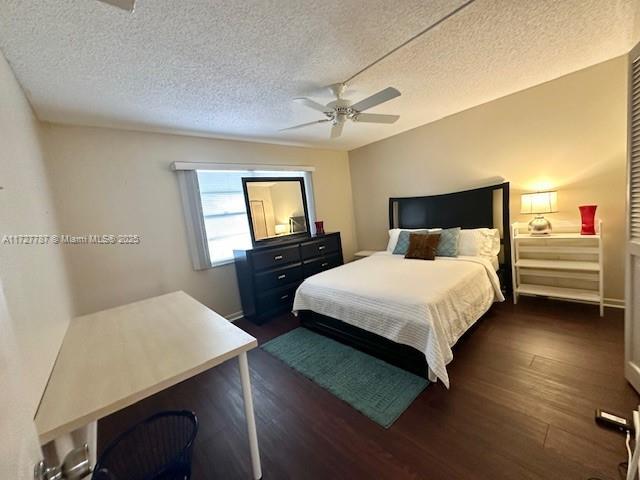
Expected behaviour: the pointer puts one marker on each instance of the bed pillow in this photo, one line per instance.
(448, 245)
(394, 233)
(492, 243)
(484, 242)
(469, 242)
(402, 243)
(422, 247)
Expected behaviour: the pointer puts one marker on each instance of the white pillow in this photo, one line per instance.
(494, 239)
(394, 233)
(483, 242)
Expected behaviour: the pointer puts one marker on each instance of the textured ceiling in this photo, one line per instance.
(230, 68)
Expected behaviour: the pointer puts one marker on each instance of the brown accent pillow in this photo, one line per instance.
(423, 247)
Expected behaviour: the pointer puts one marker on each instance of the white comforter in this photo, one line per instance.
(425, 304)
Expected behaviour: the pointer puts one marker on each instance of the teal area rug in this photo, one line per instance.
(373, 387)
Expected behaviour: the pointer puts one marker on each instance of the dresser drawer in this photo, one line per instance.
(279, 277)
(269, 273)
(320, 247)
(321, 264)
(280, 298)
(275, 257)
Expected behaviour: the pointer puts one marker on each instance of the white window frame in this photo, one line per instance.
(192, 206)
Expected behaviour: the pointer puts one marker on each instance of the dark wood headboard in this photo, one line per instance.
(466, 209)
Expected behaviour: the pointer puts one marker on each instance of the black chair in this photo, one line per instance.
(158, 448)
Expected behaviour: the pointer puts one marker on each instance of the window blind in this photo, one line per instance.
(224, 213)
(634, 149)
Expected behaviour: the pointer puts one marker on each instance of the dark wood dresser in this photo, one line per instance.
(269, 275)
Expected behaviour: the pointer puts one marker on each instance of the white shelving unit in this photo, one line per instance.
(563, 265)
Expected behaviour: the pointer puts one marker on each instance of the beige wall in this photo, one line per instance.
(119, 182)
(260, 193)
(287, 201)
(33, 280)
(34, 277)
(568, 134)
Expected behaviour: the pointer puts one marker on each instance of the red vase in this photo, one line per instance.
(319, 228)
(588, 213)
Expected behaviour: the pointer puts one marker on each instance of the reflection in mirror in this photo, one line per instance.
(276, 208)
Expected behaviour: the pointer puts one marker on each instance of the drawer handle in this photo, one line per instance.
(280, 277)
(324, 264)
(321, 247)
(278, 257)
(284, 297)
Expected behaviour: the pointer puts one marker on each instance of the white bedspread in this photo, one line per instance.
(425, 304)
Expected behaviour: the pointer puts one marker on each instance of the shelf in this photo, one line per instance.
(570, 275)
(569, 235)
(570, 262)
(560, 292)
(558, 265)
(573, 250)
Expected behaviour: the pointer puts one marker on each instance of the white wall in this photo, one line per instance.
(568, 134)
(119, 182)
(33, 278)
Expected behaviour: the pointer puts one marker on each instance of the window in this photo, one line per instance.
(224, 213)
(215, 209)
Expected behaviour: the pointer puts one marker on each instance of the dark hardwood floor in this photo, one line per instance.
(524, 386)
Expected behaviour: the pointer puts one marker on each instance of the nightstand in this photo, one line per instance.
(564, 264)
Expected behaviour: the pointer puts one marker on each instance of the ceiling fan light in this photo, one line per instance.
(340, 110)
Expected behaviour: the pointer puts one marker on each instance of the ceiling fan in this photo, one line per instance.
(123, 4)
(340, 110)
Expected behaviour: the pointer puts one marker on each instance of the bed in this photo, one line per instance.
(380, 304)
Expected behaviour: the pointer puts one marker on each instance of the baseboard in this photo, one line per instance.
(608, 302)
(234, 316)
(613, 303)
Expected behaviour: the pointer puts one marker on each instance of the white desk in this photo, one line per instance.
(111, 359)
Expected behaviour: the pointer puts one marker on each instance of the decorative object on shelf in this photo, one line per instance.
(588, 214)
(537, 204)
(319, 227)
(281, 229)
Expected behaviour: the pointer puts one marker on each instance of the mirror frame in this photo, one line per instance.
(291, 236)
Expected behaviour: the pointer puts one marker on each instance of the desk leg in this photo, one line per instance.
(248, 411)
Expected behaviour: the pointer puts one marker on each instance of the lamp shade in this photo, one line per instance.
(540, 202)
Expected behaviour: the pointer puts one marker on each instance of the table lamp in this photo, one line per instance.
(537, 204)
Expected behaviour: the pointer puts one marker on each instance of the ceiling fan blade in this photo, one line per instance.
(304, 124)
(375, 118)
(336, 130)
(376, 99)
(124, 4)
(311, 104)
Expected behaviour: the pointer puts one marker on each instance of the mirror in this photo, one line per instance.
(277, 207)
